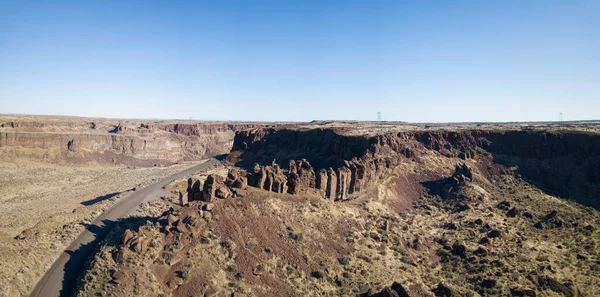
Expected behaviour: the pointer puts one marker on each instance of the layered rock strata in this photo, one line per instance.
(126, 142)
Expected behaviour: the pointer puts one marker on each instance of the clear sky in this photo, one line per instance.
(418, 61)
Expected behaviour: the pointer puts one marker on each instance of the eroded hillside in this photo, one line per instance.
(337, 211)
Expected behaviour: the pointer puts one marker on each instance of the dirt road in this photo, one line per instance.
(60, 279)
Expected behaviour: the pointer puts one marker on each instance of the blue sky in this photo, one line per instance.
(418, 61)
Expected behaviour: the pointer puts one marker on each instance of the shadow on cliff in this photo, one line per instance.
(322, 148)
(568, 178)
(562, 164)
(110, 234)
(571, 177)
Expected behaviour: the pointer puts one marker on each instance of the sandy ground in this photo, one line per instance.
(43, 208)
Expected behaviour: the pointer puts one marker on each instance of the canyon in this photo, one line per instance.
(57, 174)
(372, 209)
(326, 208)
(564, 163)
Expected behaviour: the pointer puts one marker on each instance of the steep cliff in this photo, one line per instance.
(199, 129)
(338, 165)
(116, 141)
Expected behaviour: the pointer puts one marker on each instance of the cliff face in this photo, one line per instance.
(168, 149)
(324, 148)
(140, 144)
(199, 129)
(336, 165)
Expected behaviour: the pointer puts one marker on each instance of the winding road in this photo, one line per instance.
(61, 278)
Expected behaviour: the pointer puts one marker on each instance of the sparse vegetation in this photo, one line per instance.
(424, 224)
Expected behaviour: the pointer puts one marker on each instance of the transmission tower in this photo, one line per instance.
(560, 117)
(379, 116)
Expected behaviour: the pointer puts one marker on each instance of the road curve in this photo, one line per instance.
(60, 279)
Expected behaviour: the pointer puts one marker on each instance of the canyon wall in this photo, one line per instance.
(565, 164)
(200, 129)
(132, 143)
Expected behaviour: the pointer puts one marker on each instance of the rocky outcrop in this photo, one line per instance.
(199, 129)
(236, 179)
(210, 187)
(194, 190)
(301, 178)
(215, 186)
(462, 174)
(271, 178)
(565, 164)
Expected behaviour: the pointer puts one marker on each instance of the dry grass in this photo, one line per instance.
(267, 244)
(41, 211)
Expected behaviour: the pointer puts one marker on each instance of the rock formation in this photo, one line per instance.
(212, 184)
(462, 174)
(215, 186)
(343, 163)
(236, 179)
(300, 178)
(194, 190)
(122, 142)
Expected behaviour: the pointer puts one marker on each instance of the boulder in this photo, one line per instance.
(127, 236)
(462, 174)
(139, 245)
(240, 183)
(223, 192)
(213, 182)
(172, 219)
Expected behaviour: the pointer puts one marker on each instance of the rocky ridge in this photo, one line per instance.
(564, 163)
